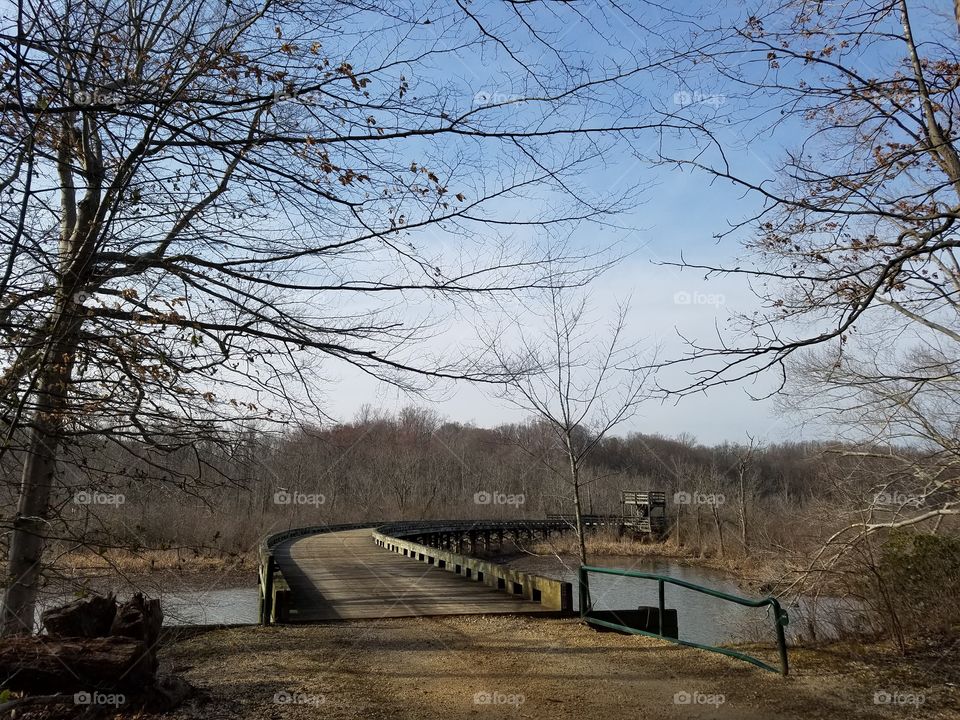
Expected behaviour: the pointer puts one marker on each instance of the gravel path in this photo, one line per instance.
(478, 667)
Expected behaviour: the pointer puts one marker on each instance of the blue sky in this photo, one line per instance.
(680, 211)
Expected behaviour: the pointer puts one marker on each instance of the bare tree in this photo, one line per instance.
(718, 525)
(203, 200)
(745, 470)
(853, 253)
(578, 384)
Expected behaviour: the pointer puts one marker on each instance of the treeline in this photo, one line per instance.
(225, 495)
(768, 507)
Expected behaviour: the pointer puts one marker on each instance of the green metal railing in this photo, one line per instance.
(780, 617)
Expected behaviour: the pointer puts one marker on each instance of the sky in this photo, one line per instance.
(679, 212)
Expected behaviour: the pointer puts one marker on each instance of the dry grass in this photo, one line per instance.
(607, 543)
(610, 544)
(128, 562)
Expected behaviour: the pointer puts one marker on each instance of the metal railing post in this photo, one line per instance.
(267, 607)
(781, 619)
(661, 606)
(584, 589)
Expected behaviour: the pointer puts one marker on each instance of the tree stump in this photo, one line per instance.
(138, 618)
(87, 617)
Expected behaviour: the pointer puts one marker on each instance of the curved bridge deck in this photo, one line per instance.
(345, 575)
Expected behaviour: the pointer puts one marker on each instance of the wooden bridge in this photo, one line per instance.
(346, 572)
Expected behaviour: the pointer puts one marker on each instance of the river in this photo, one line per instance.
(702, 618)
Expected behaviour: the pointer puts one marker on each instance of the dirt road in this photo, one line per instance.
(479, 667)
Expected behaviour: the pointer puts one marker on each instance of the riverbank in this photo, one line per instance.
(468, 667)
(192, 588)
(757, 573)
(153, 570)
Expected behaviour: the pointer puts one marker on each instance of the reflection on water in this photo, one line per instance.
(211, 607)
(702, 618)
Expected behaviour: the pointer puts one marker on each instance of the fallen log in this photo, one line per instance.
(87, 617)
(39, 664)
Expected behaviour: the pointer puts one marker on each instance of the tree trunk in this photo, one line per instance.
(36, 485)
(699, 532)
(55, 371)
(679, 531)
(716, 519)
(578, 513)
(742, 513)
(577, 507)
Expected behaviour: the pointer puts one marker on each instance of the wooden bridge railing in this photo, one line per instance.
(553, 594)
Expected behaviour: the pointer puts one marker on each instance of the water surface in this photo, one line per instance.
(701, 618)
